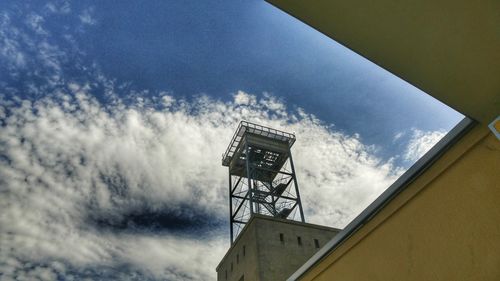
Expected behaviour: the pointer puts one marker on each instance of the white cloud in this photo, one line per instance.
(67, 159)
(398, 136)
(167, 100)
(34, 57)
(35, 22)
(272, 103)
(87, 18)
(420, 143)
(68, 163)
(10, 50)
(242, 98)
(58, 7)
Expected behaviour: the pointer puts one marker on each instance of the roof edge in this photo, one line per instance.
(255, 217)
(390, 193)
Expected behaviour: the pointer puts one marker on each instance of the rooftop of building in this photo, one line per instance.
(258, 217)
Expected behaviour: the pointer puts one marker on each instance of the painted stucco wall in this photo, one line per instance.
(444, 226)
(447, 48)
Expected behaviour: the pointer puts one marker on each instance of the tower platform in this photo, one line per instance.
(261, 176)
(268, 148)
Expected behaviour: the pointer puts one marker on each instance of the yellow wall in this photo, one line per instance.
(448, 48)
(444, 226)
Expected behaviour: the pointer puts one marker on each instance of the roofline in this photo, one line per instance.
(390, 193)
(264, 217)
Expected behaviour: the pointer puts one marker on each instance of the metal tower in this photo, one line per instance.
(261, 176)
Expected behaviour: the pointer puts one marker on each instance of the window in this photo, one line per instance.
(243, 250)
(299, 240)
(282, 238)
(316, 243)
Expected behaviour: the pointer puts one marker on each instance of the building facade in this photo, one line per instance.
(271, 249)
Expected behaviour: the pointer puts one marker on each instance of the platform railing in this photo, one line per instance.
(254, 129)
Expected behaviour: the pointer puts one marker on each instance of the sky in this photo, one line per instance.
(114, 116)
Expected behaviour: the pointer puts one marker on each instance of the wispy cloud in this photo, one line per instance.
(11, 54)
(87, 18)
(58, 7)
(420, 143)
(35, 21)
(398, 136)
(38, 56)
(69, 163)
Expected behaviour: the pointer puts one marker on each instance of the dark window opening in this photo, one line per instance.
(299, 240)
(282, 238)
(316, 243)
(243, 250)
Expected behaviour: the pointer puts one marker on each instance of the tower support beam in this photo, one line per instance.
(262, 176)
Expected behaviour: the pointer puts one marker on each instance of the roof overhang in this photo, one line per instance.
(448, 48)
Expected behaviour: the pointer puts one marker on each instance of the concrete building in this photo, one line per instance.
(271, 249)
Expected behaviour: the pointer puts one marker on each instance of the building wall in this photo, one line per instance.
(272, 250)
(447, 48)
(242, 255)
(279, 258)
(444, 226)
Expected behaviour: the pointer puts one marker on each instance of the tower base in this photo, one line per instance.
(271, 249)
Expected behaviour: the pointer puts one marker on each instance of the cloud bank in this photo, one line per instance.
(420, 143)
(133, 187)
(74, 172)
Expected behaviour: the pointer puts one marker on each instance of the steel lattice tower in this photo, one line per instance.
(261, 176)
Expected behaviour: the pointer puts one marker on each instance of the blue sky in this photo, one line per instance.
(114, 115)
